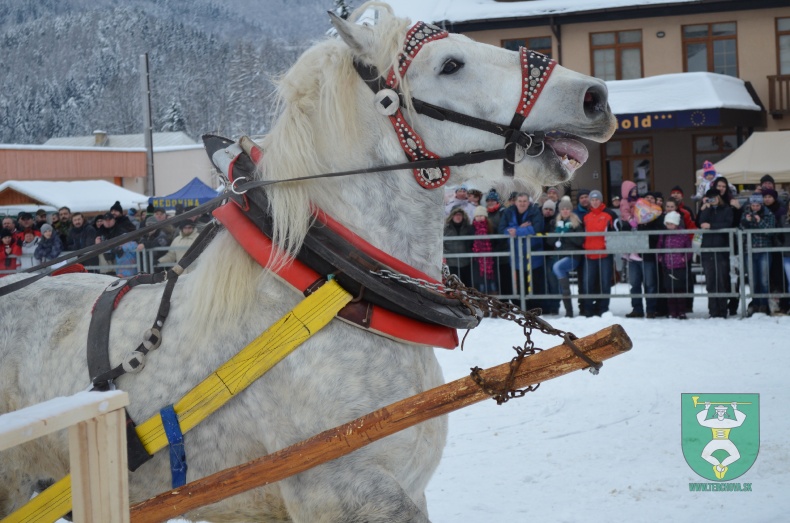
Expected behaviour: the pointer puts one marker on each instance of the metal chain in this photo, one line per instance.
(478, 302)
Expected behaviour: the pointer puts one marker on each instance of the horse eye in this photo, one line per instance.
(451, 66)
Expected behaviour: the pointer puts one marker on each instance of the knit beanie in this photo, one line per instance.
(708, 168)
(46, 227)
(672, 217)
(481, 211)
(549, 204)
(565, 203)
(117, 207)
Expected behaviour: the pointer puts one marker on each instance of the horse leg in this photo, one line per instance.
(350, 493)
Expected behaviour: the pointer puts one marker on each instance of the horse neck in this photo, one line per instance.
(391, 212)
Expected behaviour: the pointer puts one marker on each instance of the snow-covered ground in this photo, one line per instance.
(608, 447)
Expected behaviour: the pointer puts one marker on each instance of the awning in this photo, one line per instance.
(761, 154)
(683, 101)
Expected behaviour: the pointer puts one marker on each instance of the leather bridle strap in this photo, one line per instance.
(535, 71)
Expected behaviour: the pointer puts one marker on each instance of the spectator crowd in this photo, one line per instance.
(29, 240)
(552, 240)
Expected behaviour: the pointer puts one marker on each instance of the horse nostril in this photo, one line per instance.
(594, 101)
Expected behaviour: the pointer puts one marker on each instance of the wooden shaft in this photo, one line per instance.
(342, 440)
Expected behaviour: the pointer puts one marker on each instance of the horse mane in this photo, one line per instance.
(317, 112)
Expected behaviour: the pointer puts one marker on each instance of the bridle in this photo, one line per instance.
(388, 98)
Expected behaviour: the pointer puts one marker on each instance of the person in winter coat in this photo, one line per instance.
(183, 241)
(81, 235)
(29, 247)
(495, 212)
(715, 215)
(566, 222)
(597, 266)
(776, 279)
(785, 240)
(757, 217)
(10, 252)
(49, 247)
(524, 222)
(643, 267)
(708, 175)
(457, 224)
(122, 255)
(675, 265)
(485, 266)
(122, 221)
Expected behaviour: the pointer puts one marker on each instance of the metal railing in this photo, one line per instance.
(737, 248)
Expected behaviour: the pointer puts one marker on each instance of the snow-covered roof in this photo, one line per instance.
(679, 92)
(79, 196)
(124, 141)
(467, 10)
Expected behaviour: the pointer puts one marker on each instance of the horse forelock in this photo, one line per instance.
(319, 121)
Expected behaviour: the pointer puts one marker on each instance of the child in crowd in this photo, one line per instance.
(485, 266)
(675, 265)
(49, 247)
(29, 247)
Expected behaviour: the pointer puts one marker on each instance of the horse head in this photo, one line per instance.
(459, 96)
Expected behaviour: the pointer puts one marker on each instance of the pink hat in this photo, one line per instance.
(708, 168)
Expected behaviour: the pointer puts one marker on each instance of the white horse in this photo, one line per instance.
(328, 123)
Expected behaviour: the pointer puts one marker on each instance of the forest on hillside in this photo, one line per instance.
(73, 66)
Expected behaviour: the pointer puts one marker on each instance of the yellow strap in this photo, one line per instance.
(263, 353)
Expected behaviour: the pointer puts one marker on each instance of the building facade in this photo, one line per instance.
(749, 41)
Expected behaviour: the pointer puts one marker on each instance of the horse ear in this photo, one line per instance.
(358, 37)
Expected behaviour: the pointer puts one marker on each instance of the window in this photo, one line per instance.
(629, 159)
(783, 44)
(541, 44)
(712, 147)
(617, 55)
(711, 48)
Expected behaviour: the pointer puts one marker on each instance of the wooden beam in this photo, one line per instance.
(342, 440)
(32, 422)
(99, 475)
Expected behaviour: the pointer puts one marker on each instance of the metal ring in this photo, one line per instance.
(233, 185)
(542, 148)
(524, 155)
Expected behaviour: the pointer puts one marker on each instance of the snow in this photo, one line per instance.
(79, 196)
(465, 10)
(679, 92)
(608, 447)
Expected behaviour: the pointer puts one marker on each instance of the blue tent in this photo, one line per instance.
(192, 194)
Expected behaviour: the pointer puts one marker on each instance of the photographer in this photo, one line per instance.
(756, 216)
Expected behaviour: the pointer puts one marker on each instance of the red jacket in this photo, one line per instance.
(597, 220)
(9, 261)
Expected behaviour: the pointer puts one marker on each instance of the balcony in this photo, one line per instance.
(779, 95)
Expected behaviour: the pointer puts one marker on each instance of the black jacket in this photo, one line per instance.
(719, 217)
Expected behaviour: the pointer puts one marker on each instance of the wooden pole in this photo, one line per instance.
(342, 440)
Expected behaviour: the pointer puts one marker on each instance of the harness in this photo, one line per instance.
(339, 273)
(535, 71)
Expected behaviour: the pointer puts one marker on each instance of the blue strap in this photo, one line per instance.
(178, 457)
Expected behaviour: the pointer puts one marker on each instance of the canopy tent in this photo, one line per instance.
(760, 154)
(192, 194)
